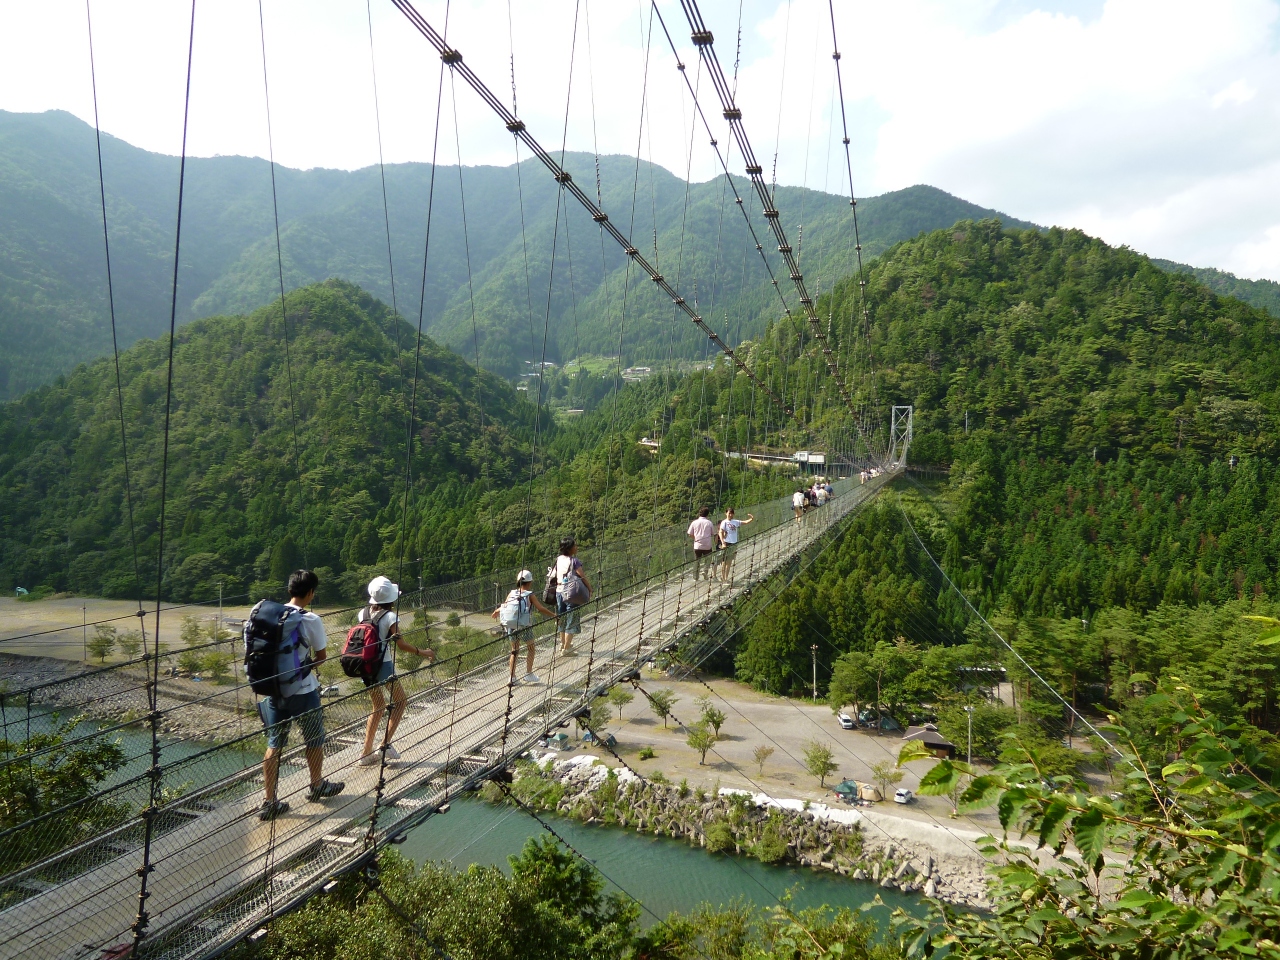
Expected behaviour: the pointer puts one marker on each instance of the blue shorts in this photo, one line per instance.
(570, 619)
(277, 714)
(386, 671)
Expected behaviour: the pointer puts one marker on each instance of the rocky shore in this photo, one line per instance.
(736, 822)
(117, 696)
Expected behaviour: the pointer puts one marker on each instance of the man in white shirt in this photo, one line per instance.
(299, 699)
(728, 533)
(797, 504)
(703, 532)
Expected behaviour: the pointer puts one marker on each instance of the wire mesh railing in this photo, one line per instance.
(69, 875)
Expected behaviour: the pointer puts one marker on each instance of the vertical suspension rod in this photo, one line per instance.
(704, 40)
(453, 58)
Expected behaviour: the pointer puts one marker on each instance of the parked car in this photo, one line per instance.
(846, 721)
(903, 795)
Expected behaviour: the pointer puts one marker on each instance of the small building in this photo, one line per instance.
(938, 745)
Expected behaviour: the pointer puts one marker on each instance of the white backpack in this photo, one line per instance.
(516, 611)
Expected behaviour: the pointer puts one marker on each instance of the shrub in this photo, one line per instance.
(719, 837)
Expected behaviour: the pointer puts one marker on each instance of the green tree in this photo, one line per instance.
(1192, 863)
(191, 635)
(452, 620)
(285, 558)
(217, 665)
(63, 774)
(817, 760)
(886, 776)
(191, 662)
(759, 756)
(661, 703)
(701, 738)
(103, 642)
(711, 715)
(619, 697)
(130, 643)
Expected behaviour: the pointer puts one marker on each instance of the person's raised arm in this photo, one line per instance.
(749, 519)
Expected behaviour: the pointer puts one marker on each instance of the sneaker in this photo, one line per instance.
(392, 753)
(531, 678)
(369, 760)
(325, 788)
(272, 809)
(568, 652)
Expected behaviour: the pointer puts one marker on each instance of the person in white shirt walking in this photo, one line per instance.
(797, 504)
(298, 697)
(516, 616)
(382, 595)
(728, 534)
(573, 590)
(703, 532)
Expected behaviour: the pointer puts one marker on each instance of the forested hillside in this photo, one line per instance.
(1093, 503)
(1259, 293)
(53, 305)
(243, 511)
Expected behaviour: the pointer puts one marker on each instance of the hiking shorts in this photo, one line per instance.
(386, 671)
(570, 619)
(726, 555)
(277, 714)
(518, 636)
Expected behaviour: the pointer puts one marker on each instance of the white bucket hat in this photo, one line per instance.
(525, 577)
(382, 590)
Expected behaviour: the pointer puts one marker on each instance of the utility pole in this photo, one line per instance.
(84, 631)
(813, 650)
(217, 633)
(969, 750)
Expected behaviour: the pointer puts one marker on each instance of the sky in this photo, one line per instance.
(1150, 123)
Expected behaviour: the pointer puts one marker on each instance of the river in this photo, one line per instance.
(661, 873)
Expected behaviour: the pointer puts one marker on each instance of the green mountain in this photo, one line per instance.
(276, 461)
(53, 306)
(1264, 294)
(1113, 436)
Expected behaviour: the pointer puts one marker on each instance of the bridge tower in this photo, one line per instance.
(900, 434)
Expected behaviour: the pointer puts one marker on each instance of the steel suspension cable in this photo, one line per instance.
(115, 342)
(454, 59)
(154, 791)
(703, 39)
(382, 177)
(284, 312)
(853, 200)
(466, 246)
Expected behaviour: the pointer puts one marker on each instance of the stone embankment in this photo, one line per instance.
(736, 822)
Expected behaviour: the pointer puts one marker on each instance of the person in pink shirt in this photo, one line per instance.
(703, 532)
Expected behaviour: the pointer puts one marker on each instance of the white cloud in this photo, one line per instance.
(1239, 92)
(1150, 122)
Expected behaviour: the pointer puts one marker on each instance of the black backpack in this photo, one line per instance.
(273, 648)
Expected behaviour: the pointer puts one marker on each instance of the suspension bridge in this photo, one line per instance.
(216, 873)
(167, 858)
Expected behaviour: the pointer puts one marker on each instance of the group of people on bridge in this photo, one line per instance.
(292, 638)
(295, 644)
(808, 498)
